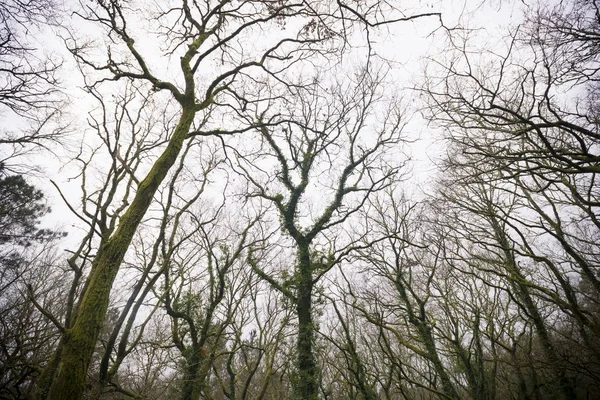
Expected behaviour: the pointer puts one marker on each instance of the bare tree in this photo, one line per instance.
(30, 293)
(205, 42)
(204, 294)
(330, 154)
(401, 301)
(120, 135)
(523, 139)
(29, 88)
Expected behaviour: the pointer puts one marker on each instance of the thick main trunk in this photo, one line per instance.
(79, 341)
(193, 382)
(306, 386)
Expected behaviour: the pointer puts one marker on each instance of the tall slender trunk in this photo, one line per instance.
(68, 380)
(426, 335)
(418, 319)
(521, 289)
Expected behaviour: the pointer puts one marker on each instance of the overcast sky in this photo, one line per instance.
(409, 46)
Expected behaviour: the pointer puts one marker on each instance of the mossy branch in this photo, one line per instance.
(44, 312)
(263, 275)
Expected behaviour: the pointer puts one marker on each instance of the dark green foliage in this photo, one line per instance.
(21, 208)
(25, 335)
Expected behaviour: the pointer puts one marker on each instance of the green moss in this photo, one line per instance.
(79, 341)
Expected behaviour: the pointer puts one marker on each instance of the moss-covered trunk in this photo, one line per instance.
(306, 383)
(521, 288)
(192, 382)
(417, 317)
(79, 341)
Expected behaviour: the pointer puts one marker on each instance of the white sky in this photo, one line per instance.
(407, 45)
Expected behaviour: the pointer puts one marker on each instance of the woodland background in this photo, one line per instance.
(273, 199)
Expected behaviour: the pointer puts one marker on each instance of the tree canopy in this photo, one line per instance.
(247, 222)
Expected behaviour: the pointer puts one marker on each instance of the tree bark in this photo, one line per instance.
(306, 386)
(69, 379)
(523, 294)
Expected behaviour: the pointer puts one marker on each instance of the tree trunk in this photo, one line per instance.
(306, 385)
(425, 333)
(193, 384)
(69, 379)
(521, 289)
